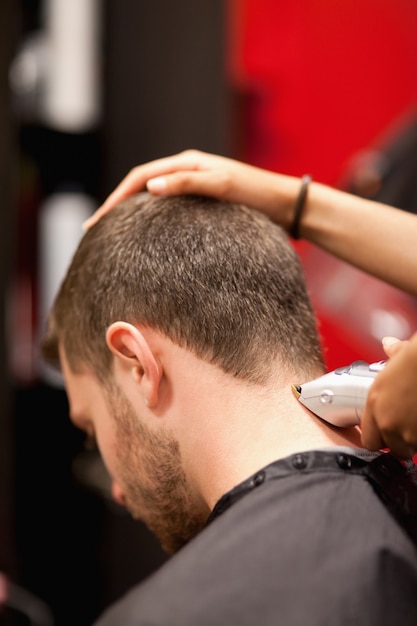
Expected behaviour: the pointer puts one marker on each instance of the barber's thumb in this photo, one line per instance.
(391, 345)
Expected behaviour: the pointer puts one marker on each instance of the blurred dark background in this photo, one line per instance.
(90, 88)
(158, 87)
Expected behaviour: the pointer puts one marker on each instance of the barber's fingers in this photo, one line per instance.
(202, 173)
(389, 419)
(138, 176)
(217, 183)
(232, 181)
(375, 438)
(370, 433)
(392, 345)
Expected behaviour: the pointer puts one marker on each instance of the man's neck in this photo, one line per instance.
(251, 429)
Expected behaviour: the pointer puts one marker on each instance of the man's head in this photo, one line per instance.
(163, 290)
(216, 278)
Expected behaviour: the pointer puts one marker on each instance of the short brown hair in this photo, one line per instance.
(217, 278)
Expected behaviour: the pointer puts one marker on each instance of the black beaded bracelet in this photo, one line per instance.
(299, 206)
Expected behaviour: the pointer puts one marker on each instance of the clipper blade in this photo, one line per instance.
(296, 389)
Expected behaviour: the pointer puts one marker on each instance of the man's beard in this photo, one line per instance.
(154, 483)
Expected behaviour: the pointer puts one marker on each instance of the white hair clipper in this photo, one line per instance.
(339, 397)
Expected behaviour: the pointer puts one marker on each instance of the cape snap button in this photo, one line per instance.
(344, 461)
(299, 462)
(257, 480)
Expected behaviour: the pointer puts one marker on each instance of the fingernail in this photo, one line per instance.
(157, 184)
(389, 341)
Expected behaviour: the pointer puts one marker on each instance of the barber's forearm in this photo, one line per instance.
(374, 237)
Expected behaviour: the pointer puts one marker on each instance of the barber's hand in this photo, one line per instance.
(201, 173)
(390, 415)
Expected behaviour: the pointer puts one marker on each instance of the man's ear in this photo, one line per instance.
(129, 345)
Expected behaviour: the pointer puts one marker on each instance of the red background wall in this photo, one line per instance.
(316, 82)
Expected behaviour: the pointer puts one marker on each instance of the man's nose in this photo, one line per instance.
(117, 494)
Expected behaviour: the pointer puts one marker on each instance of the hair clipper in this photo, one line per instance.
(339, 397)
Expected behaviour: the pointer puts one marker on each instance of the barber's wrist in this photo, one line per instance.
(299, 207)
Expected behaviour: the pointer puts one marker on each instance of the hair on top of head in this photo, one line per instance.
(217, 278)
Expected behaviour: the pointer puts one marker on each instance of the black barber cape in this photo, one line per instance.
(320, 538)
